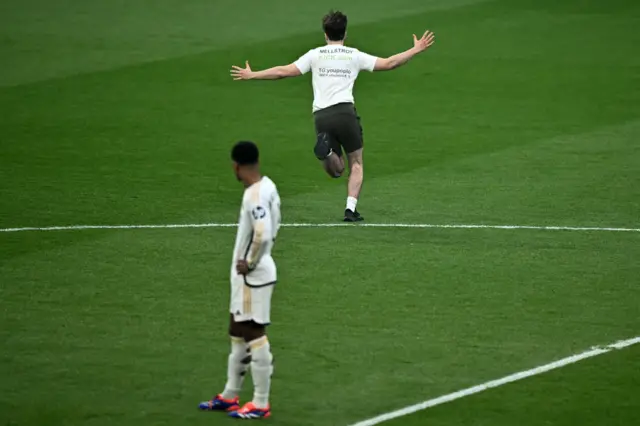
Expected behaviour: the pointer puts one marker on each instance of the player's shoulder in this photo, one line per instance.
(314, 52)
(361, 52)
(265, 189)
(269, 187)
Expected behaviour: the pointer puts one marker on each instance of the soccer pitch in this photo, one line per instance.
(522, 121)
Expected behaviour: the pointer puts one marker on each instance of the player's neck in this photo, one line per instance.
(335, 43)
(251, 179)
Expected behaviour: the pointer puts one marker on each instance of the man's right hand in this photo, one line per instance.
(239, 73)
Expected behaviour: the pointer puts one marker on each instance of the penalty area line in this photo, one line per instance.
(595, 351)
(327, 225)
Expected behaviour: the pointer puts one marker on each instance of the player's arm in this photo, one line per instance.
(399, 59)
(274, 73)
(262, 235)
(299, 67)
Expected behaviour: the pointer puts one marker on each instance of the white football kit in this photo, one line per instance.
(334, 71)
(257, 230)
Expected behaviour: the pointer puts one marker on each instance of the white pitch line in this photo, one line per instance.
(595, 351)
(325, 225)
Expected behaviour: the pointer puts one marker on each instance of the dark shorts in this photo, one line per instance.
(342, 123)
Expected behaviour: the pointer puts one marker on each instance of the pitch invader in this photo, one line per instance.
(253, 276)
(334, 68)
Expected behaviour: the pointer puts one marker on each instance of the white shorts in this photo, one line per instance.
(250, 303)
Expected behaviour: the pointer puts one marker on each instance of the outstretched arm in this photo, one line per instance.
(274, 73)
(397, 60)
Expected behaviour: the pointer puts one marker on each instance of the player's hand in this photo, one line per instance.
(242, 267)
(422, 44)
(239, 73)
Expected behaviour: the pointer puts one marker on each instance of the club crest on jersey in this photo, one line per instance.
(258, 212)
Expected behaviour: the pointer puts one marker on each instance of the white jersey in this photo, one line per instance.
(334, 69)
(257, 231)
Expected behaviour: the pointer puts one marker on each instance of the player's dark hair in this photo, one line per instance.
(334, 25)
(245, 153)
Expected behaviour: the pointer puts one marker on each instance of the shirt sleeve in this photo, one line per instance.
(304, 62)
(260, 217)
(259, 213)
(366, 62)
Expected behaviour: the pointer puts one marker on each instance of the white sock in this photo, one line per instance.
(239, 360)
(261, 370)
(351, 203)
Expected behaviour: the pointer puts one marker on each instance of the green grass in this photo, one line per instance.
(525, 112)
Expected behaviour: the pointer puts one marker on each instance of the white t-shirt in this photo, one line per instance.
(334, 69)
(257, 231)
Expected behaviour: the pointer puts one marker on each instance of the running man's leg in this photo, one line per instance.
(334, 165)
(352, 140)
(339, 127)
(329, 152)
(356, 178)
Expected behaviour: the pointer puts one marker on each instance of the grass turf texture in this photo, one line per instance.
(523, 113)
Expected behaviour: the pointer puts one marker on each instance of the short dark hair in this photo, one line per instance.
(245, 153)
(334, 25)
